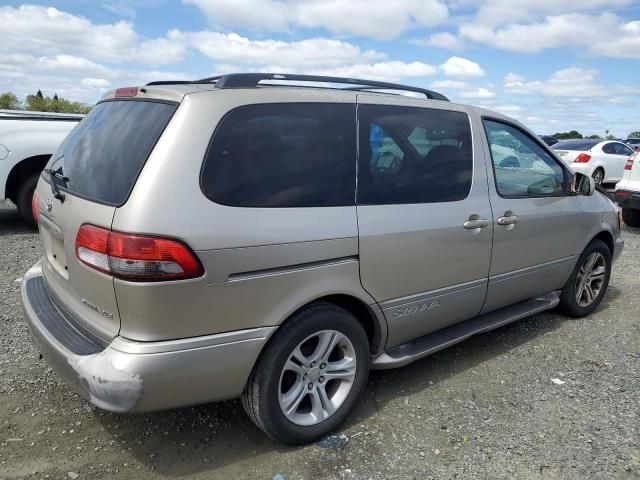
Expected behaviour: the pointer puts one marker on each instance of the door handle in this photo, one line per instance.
(508, 219)
(475, 222)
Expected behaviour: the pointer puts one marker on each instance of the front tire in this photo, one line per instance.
(631, 217)
(588, 283)
(309, 376)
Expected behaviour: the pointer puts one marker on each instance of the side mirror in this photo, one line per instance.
(583, 184)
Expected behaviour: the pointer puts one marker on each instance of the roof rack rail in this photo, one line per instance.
(251, 80)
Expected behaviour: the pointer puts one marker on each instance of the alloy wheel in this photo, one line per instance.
(317, 377)
(590, 279)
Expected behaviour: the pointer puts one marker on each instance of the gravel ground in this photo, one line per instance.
(487, 408)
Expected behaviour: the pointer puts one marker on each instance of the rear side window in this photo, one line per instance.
(413, 155)
(283, 155)
(102, 157)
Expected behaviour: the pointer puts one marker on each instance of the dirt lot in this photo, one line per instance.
(485, 409)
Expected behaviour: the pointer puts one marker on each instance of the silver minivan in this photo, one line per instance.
(273, 237)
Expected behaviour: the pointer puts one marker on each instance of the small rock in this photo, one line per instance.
(72, 475)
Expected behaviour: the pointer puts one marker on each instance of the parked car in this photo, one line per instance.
(633, 143)
(231, 238)
(604, 160)
(27, 140)
(548, 139)
(627, 192)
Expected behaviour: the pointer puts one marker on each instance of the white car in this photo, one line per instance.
(627, 193)
(27, 140)
(604, 160)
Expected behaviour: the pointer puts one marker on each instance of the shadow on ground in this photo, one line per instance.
(188, 441)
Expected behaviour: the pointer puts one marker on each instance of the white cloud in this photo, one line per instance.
(38, 30)
(371, 18)
(496, 12)
(603, 34)
(479, 93)
(448, 85)
(303, 54)
(95, 82)
(513, 77)
(443, 40)
(462, 68)
(384, 71)
(576, 83)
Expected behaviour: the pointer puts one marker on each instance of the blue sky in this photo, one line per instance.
(552, 64)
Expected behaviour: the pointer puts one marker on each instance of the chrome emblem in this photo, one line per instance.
(49, 204)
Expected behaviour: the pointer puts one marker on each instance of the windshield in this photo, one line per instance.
(101, 158)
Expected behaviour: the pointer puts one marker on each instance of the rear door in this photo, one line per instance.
(94, 171)
(537, 219)
(424, 217)
(617, 156)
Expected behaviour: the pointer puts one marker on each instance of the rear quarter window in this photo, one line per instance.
(283, 155)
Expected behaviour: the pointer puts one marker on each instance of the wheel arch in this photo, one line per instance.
(22, 170)
(606, 237)
(369, 316)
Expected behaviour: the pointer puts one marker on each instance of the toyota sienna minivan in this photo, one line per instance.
(274, 237)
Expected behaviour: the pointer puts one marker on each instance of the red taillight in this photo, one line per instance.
(34, 206)
(126, 92)
(135, 257)
(582, 158)
(630, 160)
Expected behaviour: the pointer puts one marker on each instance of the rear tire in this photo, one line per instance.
(24, 198)
(631, 217)
(282, 393)
(588, 283)
(598, 176)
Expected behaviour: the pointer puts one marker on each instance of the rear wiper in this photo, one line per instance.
(53, 174)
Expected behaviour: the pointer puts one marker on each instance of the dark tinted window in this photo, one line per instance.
(521, 167)
(579, 145)
(413, 155)
(104, 154)
(609, 148)
(283, 155)
(633, 141)
(622, 149)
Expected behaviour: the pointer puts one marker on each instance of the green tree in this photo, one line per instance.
(635, 134)
(9, 101)
(40, 103)
(595, 136)
(566, 135)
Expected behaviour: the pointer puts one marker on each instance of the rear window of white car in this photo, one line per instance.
(101, 158)
(577, 145)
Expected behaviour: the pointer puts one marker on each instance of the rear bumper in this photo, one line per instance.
(627, 199)
(129, 376)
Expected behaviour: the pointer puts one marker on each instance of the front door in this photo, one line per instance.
(536, 218)
(424, 217)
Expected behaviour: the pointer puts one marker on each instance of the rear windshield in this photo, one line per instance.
(575, 145)
(102, 157)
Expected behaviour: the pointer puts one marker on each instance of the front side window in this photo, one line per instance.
(283, 155)
(413, 155)
(522, 168)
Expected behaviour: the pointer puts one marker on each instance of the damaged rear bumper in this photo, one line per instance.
(130, 376)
